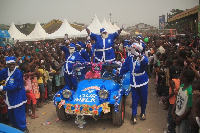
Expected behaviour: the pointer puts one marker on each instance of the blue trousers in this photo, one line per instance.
(17, 117)
(139, 93)
(70, 81)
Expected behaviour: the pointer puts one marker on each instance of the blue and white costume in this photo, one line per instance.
(70, 60)
(15, 96)
(138, 80)
(103, 47)
(85, 55)
(127, 45)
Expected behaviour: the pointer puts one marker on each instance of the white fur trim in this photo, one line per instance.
(198, 122)
(12, 107)
(104, 45)
(140, 84)
(138, 74)
(1, 88)
(10, 61)
(103, 49)
(142, 58)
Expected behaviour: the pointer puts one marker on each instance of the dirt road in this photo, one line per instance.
(156, 119)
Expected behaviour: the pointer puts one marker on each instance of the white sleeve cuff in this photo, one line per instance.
(136, 53)
(1, 88)
(61, 44)
(142, 58)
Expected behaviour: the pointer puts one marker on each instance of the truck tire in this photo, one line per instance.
(61, 113)
(118, 117)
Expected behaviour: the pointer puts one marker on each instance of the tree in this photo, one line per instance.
(175, 12)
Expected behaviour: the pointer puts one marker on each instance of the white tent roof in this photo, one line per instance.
(65, 28)
(84, 33)
(15, 33)
(37, 34)
(115, 26)
(112, 26)
(107, 26)
(95, 25)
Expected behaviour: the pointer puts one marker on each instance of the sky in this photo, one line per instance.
(123, 12)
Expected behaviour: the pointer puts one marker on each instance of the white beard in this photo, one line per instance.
(104, 36)
(71, 51)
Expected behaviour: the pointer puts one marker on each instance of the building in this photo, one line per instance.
(185, 22)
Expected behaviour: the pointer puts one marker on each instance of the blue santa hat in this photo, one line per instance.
(79, 43)
(102, 30)
(83, 45)
(72, 45)
(139, 36)
(10, 60)
(126, 40)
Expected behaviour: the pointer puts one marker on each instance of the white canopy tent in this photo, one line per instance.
(65, 28)
(37, 34)
(108, 28)
(112, 26)
(94, 26)
(15, 33)
(117, 28)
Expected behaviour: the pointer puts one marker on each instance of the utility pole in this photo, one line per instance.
(110, 16)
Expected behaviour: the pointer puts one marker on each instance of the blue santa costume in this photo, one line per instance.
(70, 60)
(85, 54)
(103, 47)
(15, 95)
(138, 79)
(139, 39)
(127, 45)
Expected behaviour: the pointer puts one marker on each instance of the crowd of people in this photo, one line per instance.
(176, 68)
(47, 66)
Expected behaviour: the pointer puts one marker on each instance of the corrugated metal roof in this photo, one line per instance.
(185, 13)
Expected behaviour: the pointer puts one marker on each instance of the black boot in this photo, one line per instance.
(133, 119)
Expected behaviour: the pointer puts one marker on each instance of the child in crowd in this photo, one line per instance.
(174, 85)
(29, 91)
(58, 67)
(197, 112)
(62, 78)
(50, 77)
(194, 114)
(35, 87)
(46, 77)
(40, 81)
(183, 104)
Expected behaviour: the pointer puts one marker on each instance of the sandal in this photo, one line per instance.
(34, 116)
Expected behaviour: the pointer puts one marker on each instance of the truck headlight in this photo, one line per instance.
(103, 94)
(67, 93)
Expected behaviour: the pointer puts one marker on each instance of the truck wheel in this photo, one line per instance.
(61, 113)
(118, 117)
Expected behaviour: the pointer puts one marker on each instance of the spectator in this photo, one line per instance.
(183, 104)
(194, 114)
(29, 91)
